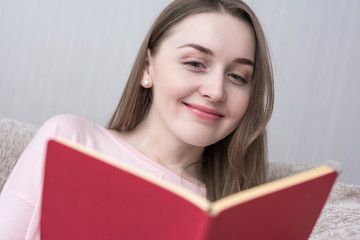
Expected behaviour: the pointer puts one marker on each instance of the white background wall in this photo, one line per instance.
(74, 56)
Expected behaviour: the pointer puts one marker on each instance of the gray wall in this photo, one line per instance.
(73, 56)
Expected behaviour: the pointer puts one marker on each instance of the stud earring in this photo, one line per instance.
(146, 83)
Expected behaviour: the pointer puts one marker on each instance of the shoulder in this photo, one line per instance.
(70, 126)
(66, 121)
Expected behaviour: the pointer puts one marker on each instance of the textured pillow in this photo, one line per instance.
(340, 218)
(14, 137)
(279, 170)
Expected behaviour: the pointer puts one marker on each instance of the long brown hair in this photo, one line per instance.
(238, 161)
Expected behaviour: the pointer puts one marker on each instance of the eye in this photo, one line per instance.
(237, 78)
(194, 64)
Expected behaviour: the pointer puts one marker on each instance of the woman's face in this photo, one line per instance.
(201, 76)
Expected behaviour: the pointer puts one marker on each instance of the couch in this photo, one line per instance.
(340, 218)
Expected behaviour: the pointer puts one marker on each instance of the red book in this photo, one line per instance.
(87, 195)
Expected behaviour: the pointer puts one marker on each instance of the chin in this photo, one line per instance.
(200, 141)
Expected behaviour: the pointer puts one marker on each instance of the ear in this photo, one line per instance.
(147, 76)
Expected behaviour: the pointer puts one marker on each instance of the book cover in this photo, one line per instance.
(87, 195)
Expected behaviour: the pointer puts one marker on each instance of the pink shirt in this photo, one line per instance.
(20, 199)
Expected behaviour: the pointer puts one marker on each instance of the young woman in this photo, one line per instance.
(193, 112)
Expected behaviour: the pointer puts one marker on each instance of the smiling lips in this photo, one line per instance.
(204, 112)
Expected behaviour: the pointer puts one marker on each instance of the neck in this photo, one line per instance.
(166, 150)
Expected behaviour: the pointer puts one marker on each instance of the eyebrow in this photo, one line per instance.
(207, 51)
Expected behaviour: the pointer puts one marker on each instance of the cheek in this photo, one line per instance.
(163, 80)
(167, 85)
(238, 105)
(172, 81)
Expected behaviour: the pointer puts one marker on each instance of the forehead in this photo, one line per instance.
(222, 33)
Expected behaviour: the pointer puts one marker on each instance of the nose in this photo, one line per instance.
(212, 87)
